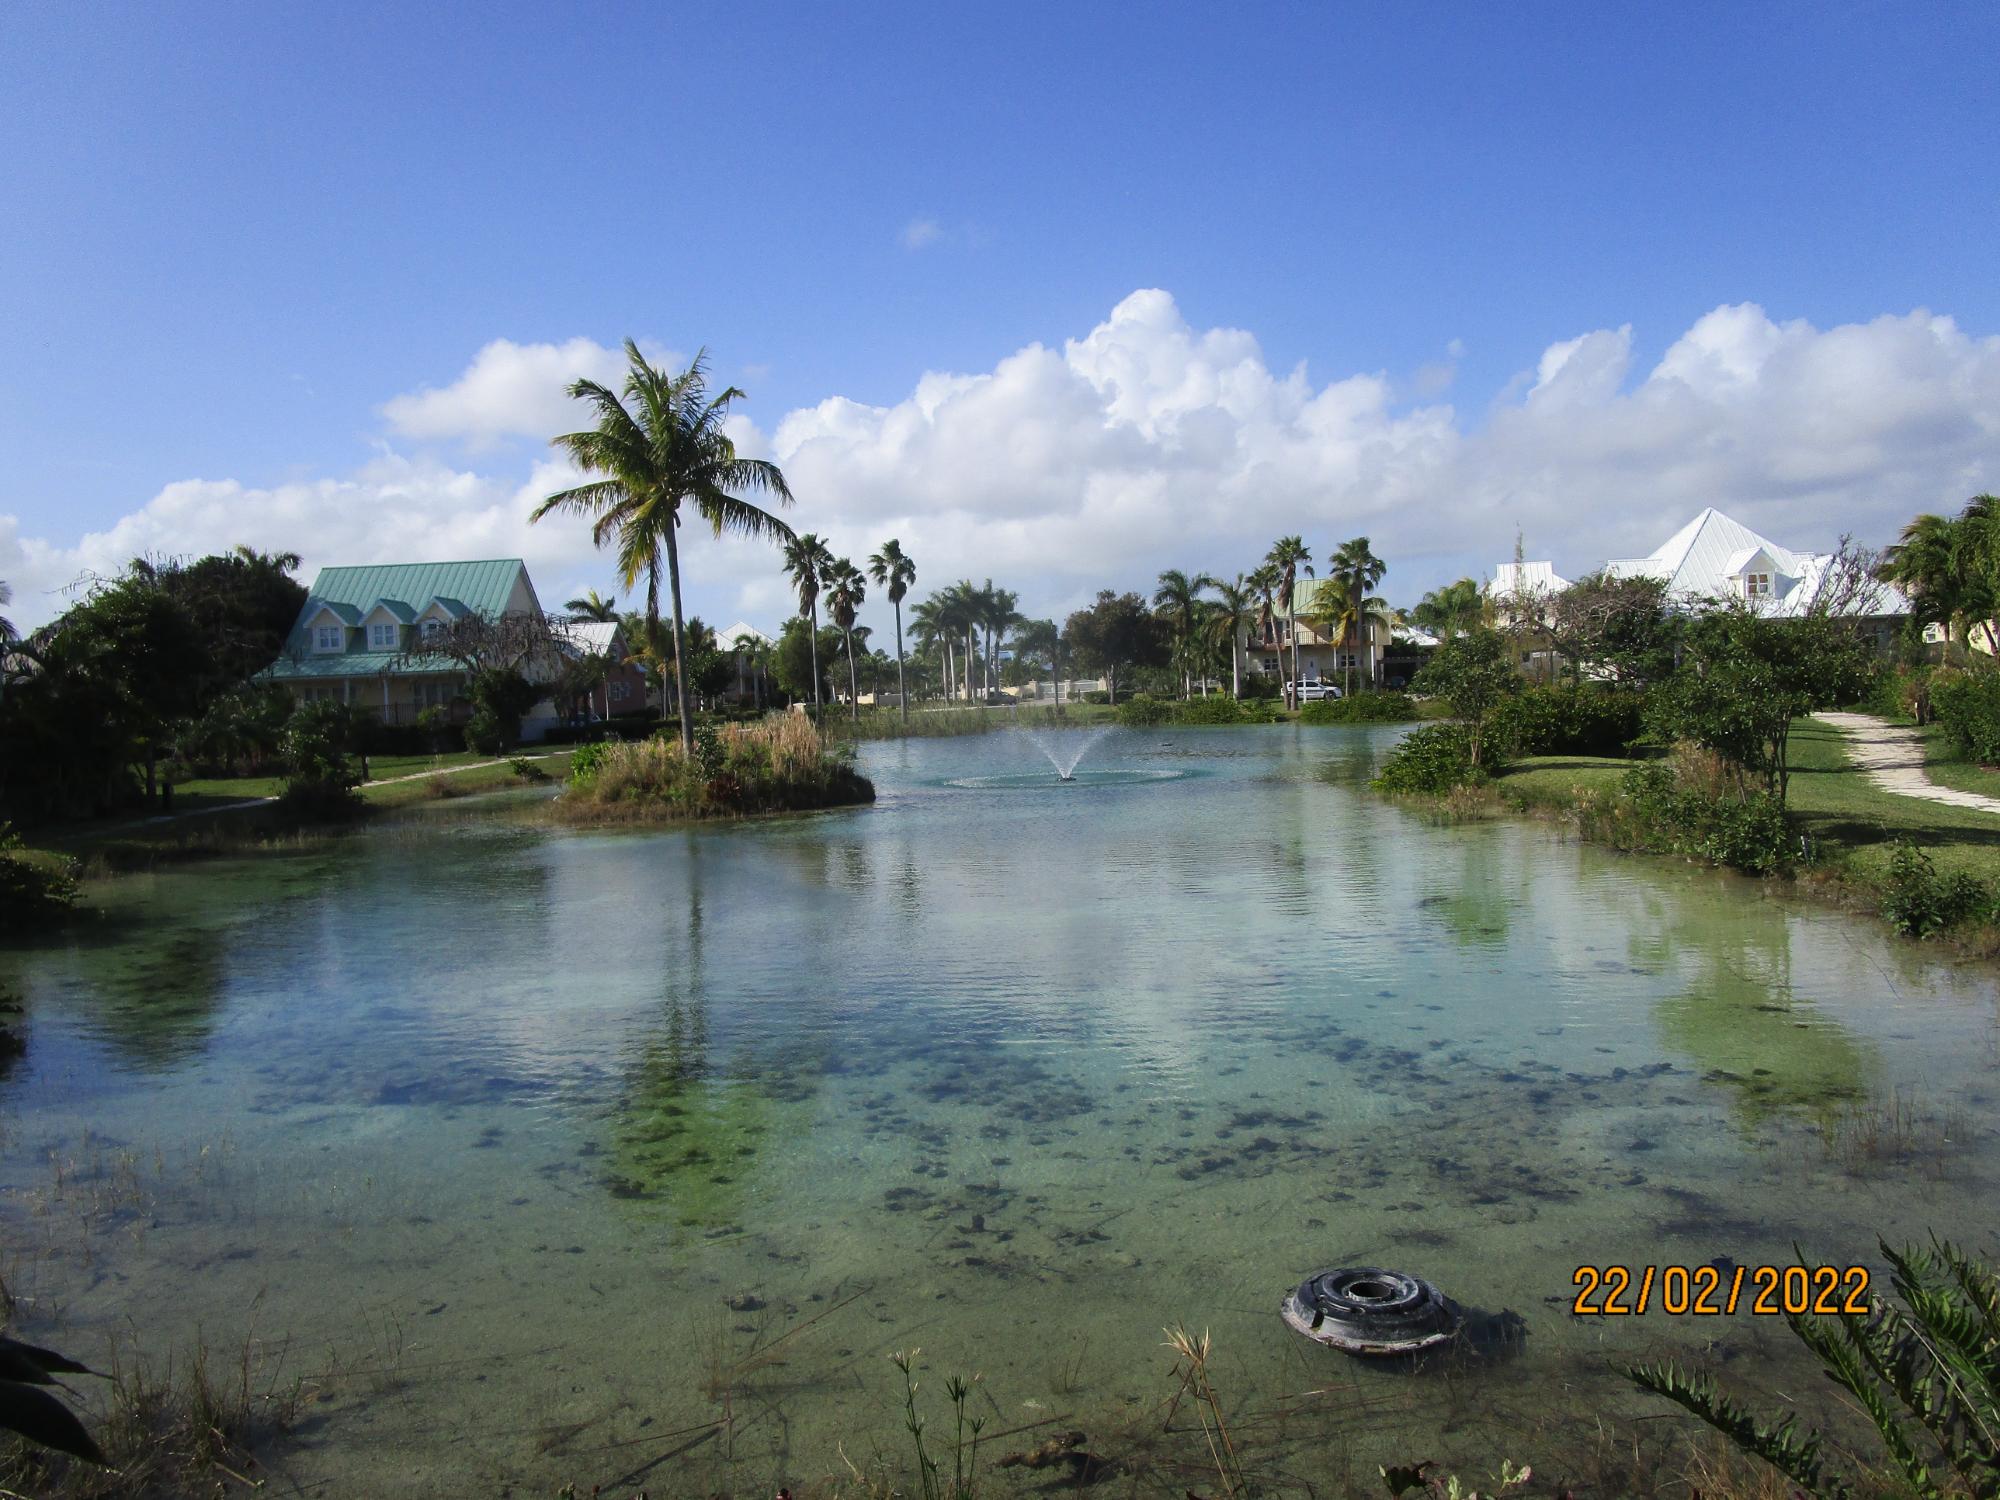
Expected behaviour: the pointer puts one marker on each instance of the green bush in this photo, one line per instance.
(483, 732)
(1431, 760)
(1097, 697)
(1570, 720)
(584, 763)
(440, 735)
(1918, 901)
(1361, 708)
(1748, 833)
(1900, 692)
(1144, 710)
(320, 778)
(33, 886)
(1967, 704)
(783, 763)
(1215, 710)
(1261, 686)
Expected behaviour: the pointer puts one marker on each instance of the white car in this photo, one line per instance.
(1315, 688)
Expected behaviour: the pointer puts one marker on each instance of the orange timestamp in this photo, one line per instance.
(1712, 1291)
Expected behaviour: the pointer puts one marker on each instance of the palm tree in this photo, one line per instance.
(1289, 557)
(927, 618)
(1228, 617)
(959, 613)
(592, 606)
(997, 615)
(1178, 602)
(1355, 569)
(752, 652)
(667, 448)
(845, 591)
(6, 625)
(806, 562)
(1452, 610)
(892, 568)
(1349, 616)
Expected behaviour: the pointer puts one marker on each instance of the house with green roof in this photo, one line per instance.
(360, 636)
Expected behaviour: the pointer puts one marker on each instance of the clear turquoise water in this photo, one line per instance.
(481, 1125)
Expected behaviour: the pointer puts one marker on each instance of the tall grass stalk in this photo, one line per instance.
(1191, 1364)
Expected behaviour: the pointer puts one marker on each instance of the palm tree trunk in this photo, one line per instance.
(1235, 672)
(853, 687)
(813, 626)
(970, 653)
(902, 692)
(680, 654)
(1293, 630)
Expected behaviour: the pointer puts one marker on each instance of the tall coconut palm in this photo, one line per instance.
(928, 619)
(593, 606)
(1349, 616)
(997, 616)
(1178, 601)
(845, 591)
(664, 450)
(1356, 570)
(1290, 557)
(893, 569)
(959, 612)
(807, 559)
(1231, 614)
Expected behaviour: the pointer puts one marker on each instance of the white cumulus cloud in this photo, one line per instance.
(1146, 442)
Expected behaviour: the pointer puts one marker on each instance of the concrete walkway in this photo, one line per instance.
(1893, 757)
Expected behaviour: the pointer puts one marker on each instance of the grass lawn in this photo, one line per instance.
(1846, 814)
(1948, 765)
(215, 790)
(1849, 814)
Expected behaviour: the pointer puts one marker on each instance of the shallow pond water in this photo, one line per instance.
(628, 1158)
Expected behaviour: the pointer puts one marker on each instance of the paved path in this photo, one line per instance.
(1893, 757)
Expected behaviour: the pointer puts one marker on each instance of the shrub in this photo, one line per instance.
(1900, 692)
(1967, 704)
(1748, 832)
(33, 886)
(1260, 685)
(482, 733)
(1361, 708)
(440, 735)
(1217, 710)
(781, 764)
(1918, 901)
(321, 778)
(1144, 710)
(1096, 697)
(1570, 720)
(1431, 760)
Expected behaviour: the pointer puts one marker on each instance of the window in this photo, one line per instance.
(381, 637)
(329, 638)
(1756, 585)
(433, 629)
(619, 690)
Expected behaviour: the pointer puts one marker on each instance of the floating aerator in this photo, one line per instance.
(1366, 1310)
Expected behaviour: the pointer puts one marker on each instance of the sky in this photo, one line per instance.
(1058, 295)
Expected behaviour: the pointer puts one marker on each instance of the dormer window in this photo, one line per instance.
(433, 629)
(381, 637)
(329, 638)
(1756, 585)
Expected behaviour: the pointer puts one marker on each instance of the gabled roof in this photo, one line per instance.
(727, 638)
(591, 637)
(396, 607)
(459, 588)
(1697, 560)
(1511, 578)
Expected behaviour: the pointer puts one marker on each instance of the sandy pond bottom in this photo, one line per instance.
(629, 1159)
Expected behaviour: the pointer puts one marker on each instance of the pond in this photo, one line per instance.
(628, 1158)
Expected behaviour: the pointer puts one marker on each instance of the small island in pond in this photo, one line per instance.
(782, 763)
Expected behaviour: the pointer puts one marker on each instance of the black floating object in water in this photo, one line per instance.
(1367, 1310)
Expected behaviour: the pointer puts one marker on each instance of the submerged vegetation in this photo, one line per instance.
(781, 764)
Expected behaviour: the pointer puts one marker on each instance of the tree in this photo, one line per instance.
(806, 560)
(1038, 642)
(1745, 677)
(1114, 633)
(1618, 627)
(1356, 571)
(1288, 557)
(845, 591)
(671, 451)
(1473, 673)
(1263, 584)
(996, 614)
(6, 625)
(1349, 617)
(929, 617)
(754, 653)
(892, 568)
(796, 660)
(1949, 566)
(1451, 610)
(593, 606)
(1178, 600)
(1228, 618)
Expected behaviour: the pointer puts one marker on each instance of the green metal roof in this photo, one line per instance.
(480, 588)
(396, 607)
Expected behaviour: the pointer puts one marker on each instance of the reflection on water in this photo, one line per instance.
(633, 1133)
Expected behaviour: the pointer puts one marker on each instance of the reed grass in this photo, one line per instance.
(780, 764)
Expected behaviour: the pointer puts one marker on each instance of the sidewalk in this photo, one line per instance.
(1893, 757)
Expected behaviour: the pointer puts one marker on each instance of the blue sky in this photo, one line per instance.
(239, 232)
